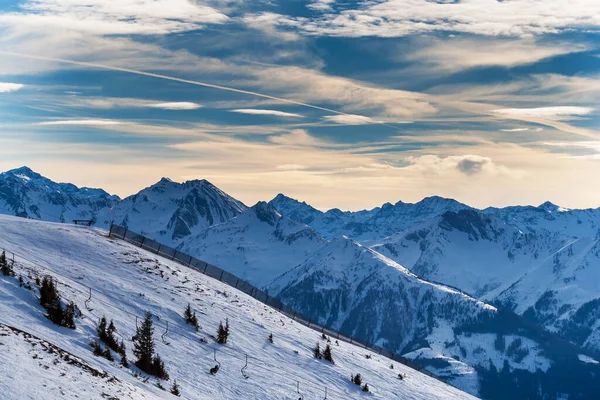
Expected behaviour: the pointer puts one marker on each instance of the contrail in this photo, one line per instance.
(171, 78)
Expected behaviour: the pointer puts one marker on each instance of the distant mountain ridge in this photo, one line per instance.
(367, 224)
(26, 193)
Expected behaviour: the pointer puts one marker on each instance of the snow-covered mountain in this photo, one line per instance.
(368, 296)
(548, 277)
(48, 362)
(25, 193)
(471, 250)
(257, 245)
(548, 216)
(170, 212)
(365, 225)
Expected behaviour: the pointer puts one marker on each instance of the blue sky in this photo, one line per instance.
(343, 104)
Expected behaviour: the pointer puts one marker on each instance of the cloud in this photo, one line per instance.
(462, 53)
(349, 119)
(556, 113)
(298, 138)
(469, 165)
(255, 111)
(515, 130)
(115, 17)
(85, 122)
(395, 18)
(10, 87)
(183, 105)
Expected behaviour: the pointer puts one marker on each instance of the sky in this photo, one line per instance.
(346, 104)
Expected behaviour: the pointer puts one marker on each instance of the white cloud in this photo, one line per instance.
(255, 111)
(349, 119)
(552, 113)
(118, 17)
(86, 122)
(463, 53)
(394, 18)
(515, 130)
(177, 106)
(10, 87)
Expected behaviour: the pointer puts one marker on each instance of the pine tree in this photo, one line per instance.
(327, 354)
(122, 350)
(68, 317)
(270, 338)
(187, 314)
(195, 321)
(143, 345)
(223, 332)
(124, 360)
(108, 355)
(317, 351)
(356, 379)
(5, 266)
(365, 388)
(158, 368)
(101, 328)
(175, 389)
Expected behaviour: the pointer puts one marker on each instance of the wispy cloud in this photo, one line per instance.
(256, 111)
(453, 54)
(553, 113)
(182, 105)
(394, 18)
(84, 122)
(10, 87)
(116, 17)
(349, 119)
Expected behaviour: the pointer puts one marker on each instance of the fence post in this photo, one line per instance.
(110, 230)
(125, 233)
(174, 254)
(221, 277)
(143, 240)
(237, 283)
(190, 262)
(158, 250)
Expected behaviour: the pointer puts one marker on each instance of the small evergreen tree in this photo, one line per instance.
(223, 332)
(365, 388)
(143, 345)
(270, 339)
(68, 318)
(327, 354)
(356, 379)
(124, 360)
(158, 368)
(187, 314)
(175, 389)
(5, 266)
(108, 355)
(317, 351)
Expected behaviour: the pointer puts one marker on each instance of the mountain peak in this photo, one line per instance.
(266, 212)
(549, 206)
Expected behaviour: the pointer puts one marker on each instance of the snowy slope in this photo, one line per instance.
(257, 246)
(58, 374)
(28, 194)
(365, 225)
(364, 294)
(127, 281)
(169, 211)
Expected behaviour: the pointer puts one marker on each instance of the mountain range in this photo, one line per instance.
(499, 301)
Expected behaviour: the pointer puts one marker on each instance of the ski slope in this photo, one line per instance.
(126, 282)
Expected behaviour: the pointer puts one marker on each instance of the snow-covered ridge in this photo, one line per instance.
(80, 258)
